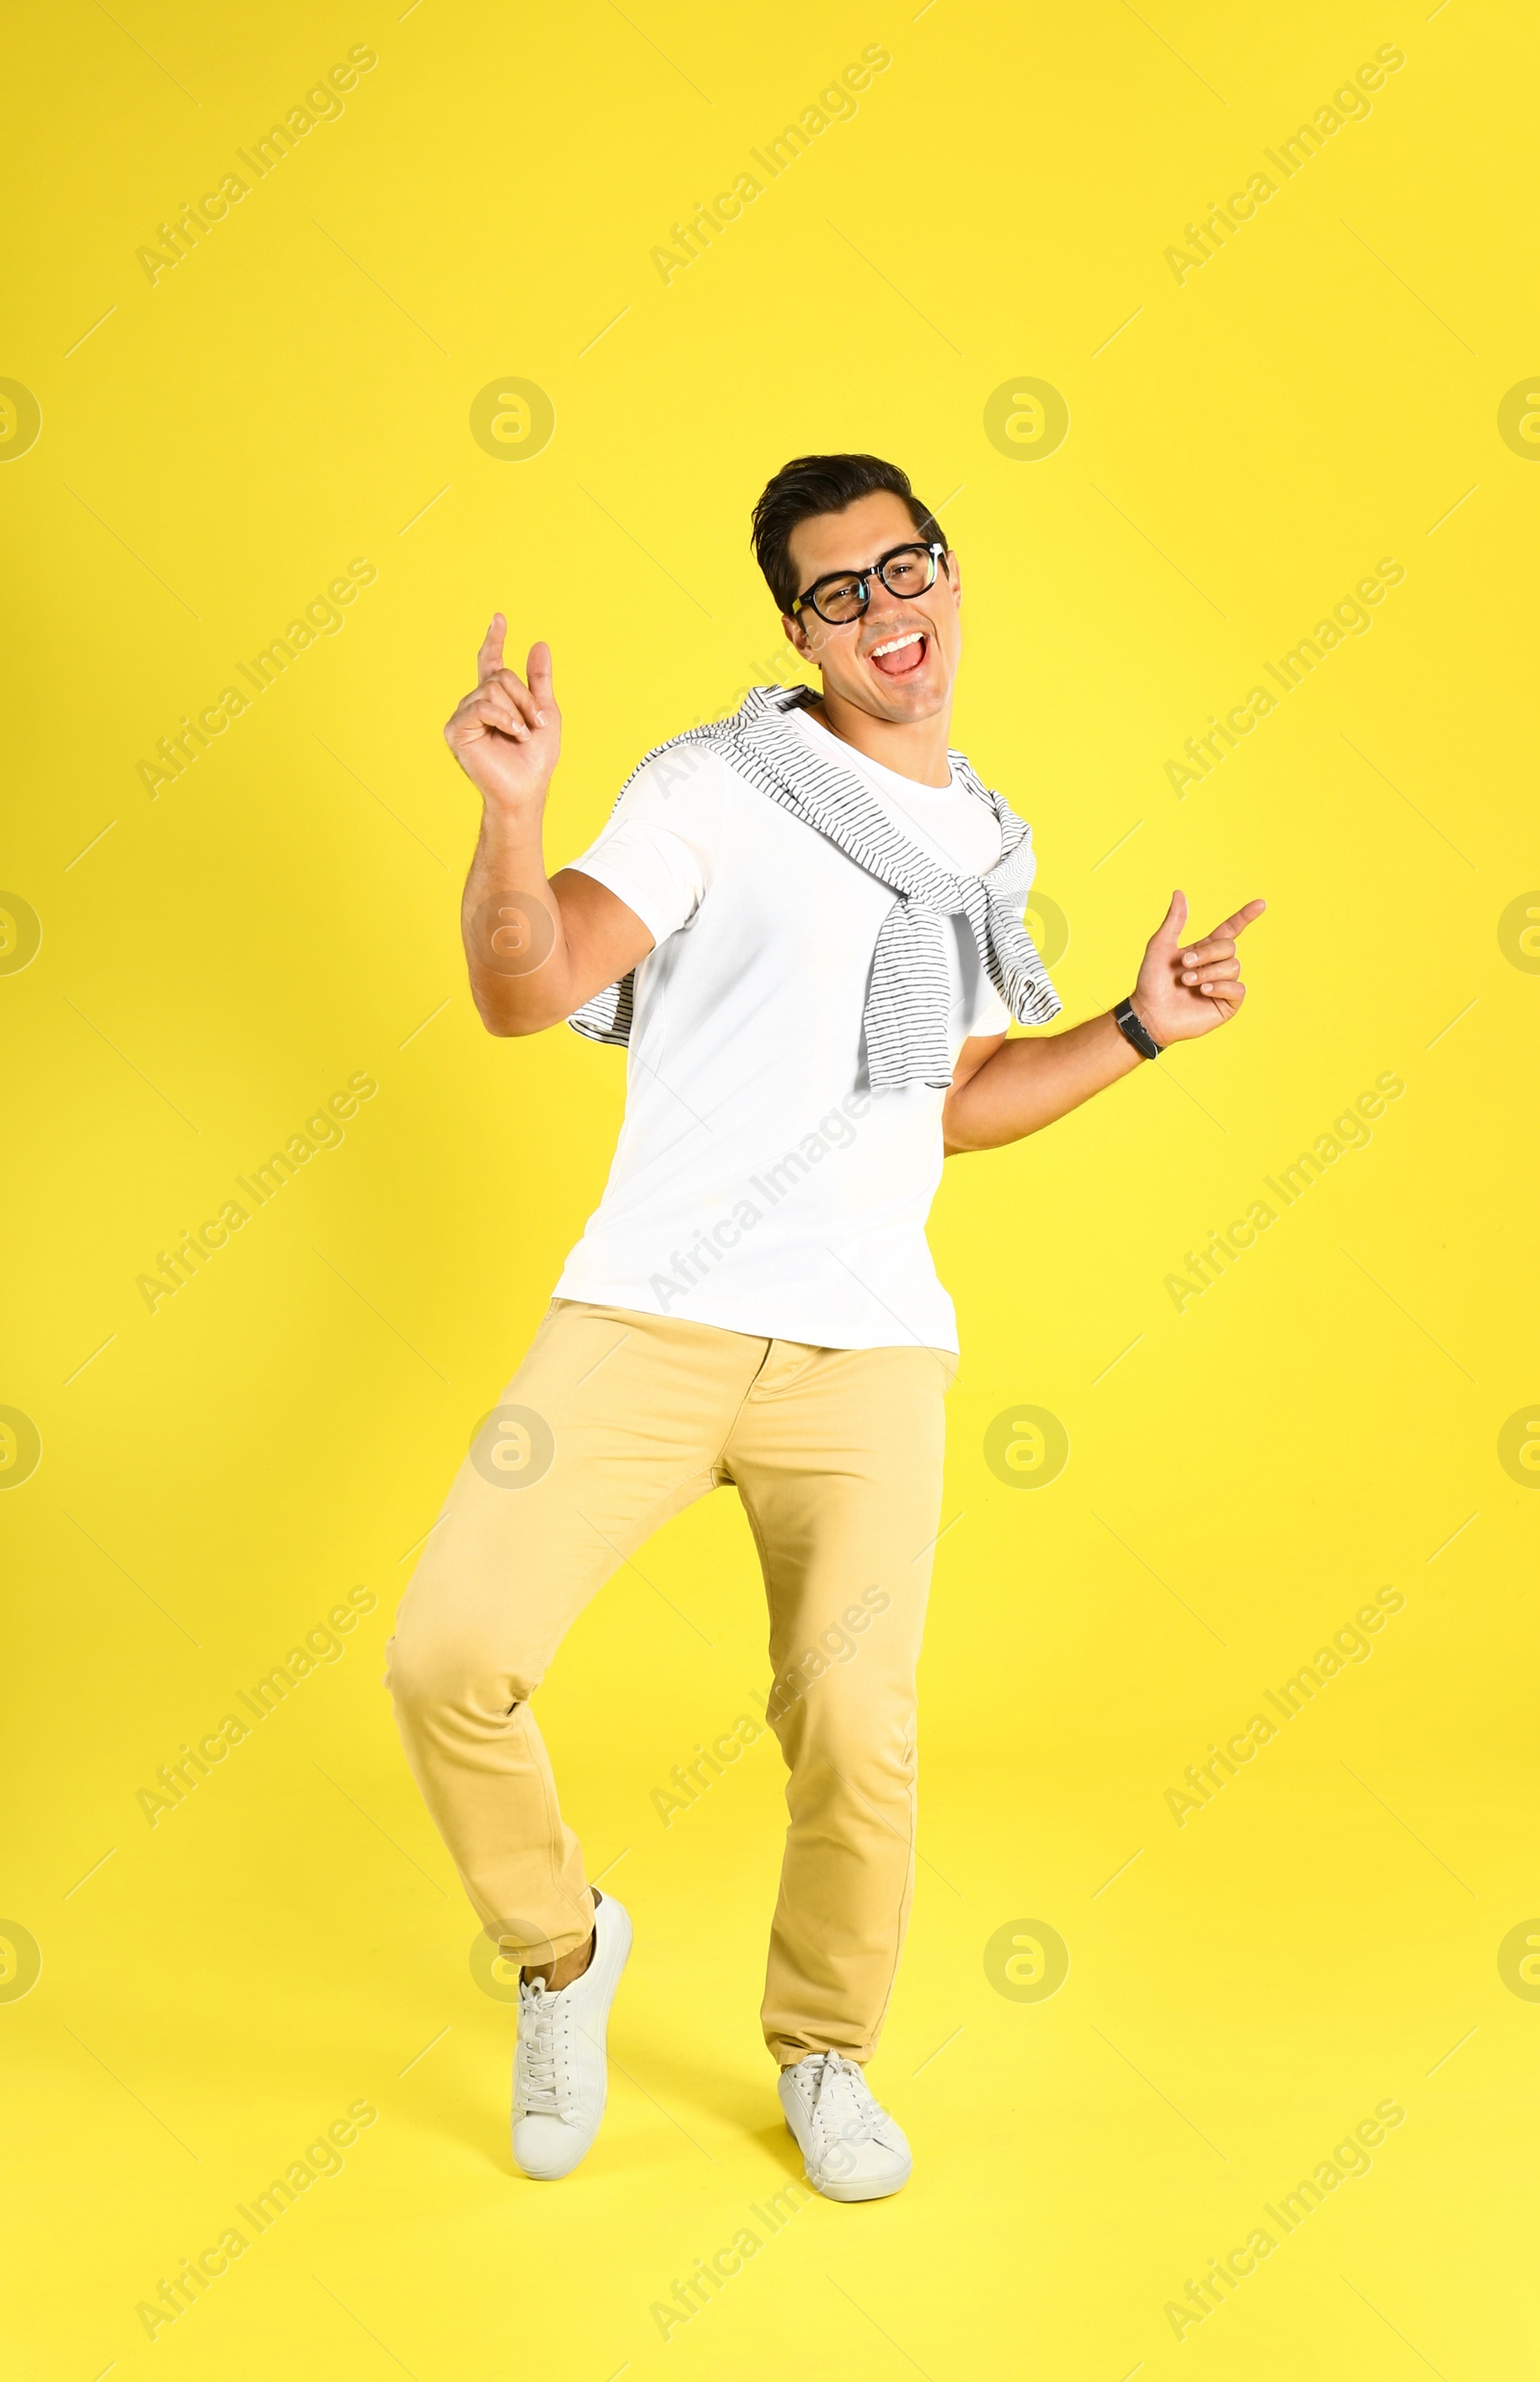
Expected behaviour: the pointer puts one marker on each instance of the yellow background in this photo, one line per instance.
(216, 962)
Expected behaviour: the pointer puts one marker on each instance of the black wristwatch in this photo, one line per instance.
(1130, 1027)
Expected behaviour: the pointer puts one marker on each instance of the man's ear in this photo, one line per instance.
(796, 636)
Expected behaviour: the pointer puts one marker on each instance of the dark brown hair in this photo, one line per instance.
(823, 484)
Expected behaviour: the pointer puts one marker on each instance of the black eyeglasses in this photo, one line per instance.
(844, 594)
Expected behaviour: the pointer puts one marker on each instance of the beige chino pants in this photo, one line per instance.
(626, 1419)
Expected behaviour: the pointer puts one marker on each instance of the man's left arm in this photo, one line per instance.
(1002, 1090)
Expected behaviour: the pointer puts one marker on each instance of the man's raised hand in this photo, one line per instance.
(1187, 989)
(506, 734)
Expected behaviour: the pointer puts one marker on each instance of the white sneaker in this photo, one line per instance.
(559, 2075)
(852, 2149)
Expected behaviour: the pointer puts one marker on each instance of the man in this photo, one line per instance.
(804, 923)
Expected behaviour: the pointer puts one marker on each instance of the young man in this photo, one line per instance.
(804, 923)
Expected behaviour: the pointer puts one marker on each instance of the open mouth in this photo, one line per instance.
(899, 658)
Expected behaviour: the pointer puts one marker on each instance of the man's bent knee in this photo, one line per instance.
(430, 1671)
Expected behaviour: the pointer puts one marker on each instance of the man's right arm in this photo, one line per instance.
(537, 947)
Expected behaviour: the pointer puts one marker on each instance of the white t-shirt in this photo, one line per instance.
(757, 1183)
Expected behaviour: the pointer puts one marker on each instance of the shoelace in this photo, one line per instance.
(537, 2051)
(842, 2107)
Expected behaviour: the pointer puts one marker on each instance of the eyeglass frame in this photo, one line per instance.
(936, 548)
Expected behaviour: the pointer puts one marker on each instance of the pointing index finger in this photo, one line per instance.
(489, 657)
(1239, 920)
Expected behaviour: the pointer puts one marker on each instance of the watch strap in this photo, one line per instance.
(1134, 1031)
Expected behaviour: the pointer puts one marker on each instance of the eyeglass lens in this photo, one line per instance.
(908, 573)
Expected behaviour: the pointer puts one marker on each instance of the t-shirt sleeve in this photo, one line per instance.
(990, 1013)
(658, 849)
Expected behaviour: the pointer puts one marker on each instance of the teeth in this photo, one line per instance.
(896, 644)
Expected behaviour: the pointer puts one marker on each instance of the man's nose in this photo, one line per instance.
(882, 618)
